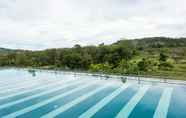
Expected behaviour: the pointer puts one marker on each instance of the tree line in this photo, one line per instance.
(123, 57)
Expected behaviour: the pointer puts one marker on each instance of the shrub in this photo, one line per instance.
(166, 65)
(100, 68)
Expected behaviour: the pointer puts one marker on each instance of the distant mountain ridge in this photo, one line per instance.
(149, 42)
(5, 50)
(155, 42)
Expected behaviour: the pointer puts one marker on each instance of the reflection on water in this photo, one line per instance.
(124, 79)
(32, 72)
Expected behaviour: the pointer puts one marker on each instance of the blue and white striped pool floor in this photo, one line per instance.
(88, 97)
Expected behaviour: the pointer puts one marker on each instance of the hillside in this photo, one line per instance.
(155, 42)
(155, 56)
(4, 50)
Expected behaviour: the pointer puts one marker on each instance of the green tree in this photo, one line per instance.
(144, 65)
(163, 57)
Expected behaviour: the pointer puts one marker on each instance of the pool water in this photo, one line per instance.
(47, 94)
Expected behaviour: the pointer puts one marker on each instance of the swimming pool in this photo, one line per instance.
(48, 94)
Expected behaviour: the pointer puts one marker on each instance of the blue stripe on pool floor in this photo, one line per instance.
(76, 101)
(177, 108)
(40, 111)
(26, 102)
(49, 104)
(22, 94)
(111, 109)
(31, 90)
(18, 97)
(147, 105)
(26, 86)
(102, 103)
(127, 109)
(162, 109)
(77, 110)
(18, 89)
(93, 100)
(52, 89)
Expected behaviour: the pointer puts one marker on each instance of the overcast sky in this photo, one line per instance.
(41, 24)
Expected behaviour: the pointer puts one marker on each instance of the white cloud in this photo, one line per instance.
(40, 24)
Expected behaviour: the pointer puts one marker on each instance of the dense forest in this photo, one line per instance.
(156, 56)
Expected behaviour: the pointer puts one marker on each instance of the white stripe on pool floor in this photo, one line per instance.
(127, 109)
(28, 86)
(28, 109)
(89, 113)
(38, 95)
(23, 84)
(30, 90)
(67, 106)
(19, 80)
(13, 85)
(12, 81)
(163, 105)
